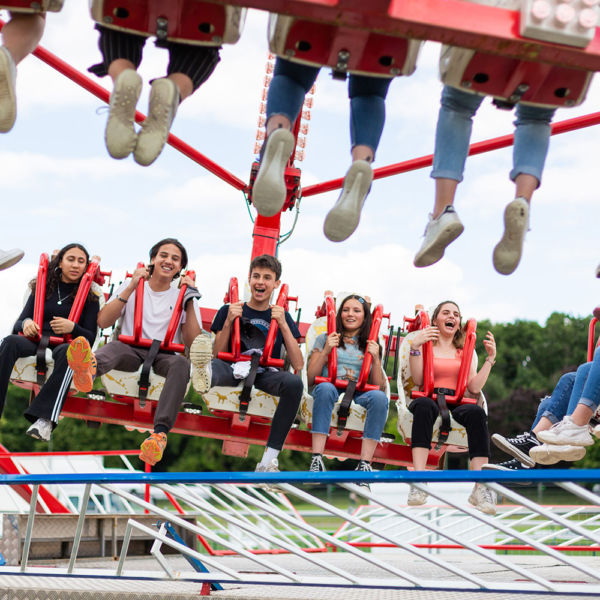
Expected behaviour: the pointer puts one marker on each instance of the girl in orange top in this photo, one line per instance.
(448, 339)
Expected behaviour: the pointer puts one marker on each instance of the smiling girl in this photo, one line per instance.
(65, 271)
(353, 323)
(447, 336)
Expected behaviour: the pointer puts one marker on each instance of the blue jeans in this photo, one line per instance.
(325, 395)
(291, 81)
(586, 389)
(554, 407)
(453, 134)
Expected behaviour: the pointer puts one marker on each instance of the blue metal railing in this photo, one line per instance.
(299, 477)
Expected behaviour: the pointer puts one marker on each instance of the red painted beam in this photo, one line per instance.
(220, 428)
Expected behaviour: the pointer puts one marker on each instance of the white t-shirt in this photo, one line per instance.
(158, 308)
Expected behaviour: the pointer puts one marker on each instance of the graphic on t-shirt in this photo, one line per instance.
(261, 324)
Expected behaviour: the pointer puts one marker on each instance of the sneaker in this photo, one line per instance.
(316, 464)
(8, 99)
(507, 253)
(343, 218)
(120, 135)
(365, 467)
(200, 357)
(517, 446)
(162, 106)
(272, 467)
(269, 191)
(565, 432)
(416, 496)
(549, 454)
(82, 361)
(596, 431)
(483, 499)
(508, 465)
(41, 430)
(438, 234)
(8, 258)
(152, 448)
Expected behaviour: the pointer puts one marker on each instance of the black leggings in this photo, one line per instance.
(284, 384)
(48, 403)
(471, 416)
(197, 62)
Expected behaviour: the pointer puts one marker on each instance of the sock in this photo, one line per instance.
(269, 455)
(317, 454)
(161, 429)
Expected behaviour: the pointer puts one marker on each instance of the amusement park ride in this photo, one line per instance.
(541, 52)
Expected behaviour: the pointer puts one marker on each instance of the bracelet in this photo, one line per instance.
(121, 299)
(489, 360)
(415, 352)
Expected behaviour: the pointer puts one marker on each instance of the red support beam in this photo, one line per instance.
(220, 428)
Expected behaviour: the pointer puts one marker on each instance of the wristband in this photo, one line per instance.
(415, 352)
(489, 360)
(121, 299)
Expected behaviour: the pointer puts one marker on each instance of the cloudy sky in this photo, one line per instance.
(60, 185)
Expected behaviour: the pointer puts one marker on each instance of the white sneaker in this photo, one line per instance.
(41, 430)
(565, 433)
(416, 497)
(269, 191)
(596, 431)
(342, 220)
(549, 454)
(438, 234)
(272, 467)
(483, 499)
(8, 99)
(507, 253)
(162, 106)
(120, 135)
(8, 258)
(201, 357)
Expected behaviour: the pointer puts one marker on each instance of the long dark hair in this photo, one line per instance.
(459, 337)
(365, 328)
(55, 272)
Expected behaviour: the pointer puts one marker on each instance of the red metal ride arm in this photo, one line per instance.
(138, 313)
(465, 365)
(266, 359)
(332, 358)
(591, 346)
(233, 296)
(175, 318)
(40, 294)
(420, 321)
(363, 385)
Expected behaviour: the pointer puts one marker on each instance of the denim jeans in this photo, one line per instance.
(453, 134)
(291, 81)
(325, 395)
(586, 389)
(554, 407)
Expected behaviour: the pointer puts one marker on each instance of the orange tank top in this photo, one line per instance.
(445, 371)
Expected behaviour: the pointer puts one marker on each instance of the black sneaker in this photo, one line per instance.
(509, 465)
(316, 464)
(518, 446)
(364, 466)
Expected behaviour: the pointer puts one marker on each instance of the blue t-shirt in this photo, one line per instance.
(258, 318)
(349, 359)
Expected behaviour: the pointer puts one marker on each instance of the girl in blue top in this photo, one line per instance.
(353, 323)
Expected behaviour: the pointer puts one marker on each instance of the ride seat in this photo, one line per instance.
(27, 6)
(186, 21)
(357, 415)
(511, 80)
(458, 435)
(343, 49)
(25, 370)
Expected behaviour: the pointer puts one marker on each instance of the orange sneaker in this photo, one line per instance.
(83, 362)
(152, 448)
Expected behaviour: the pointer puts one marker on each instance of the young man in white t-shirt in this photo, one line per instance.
(167, 259)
